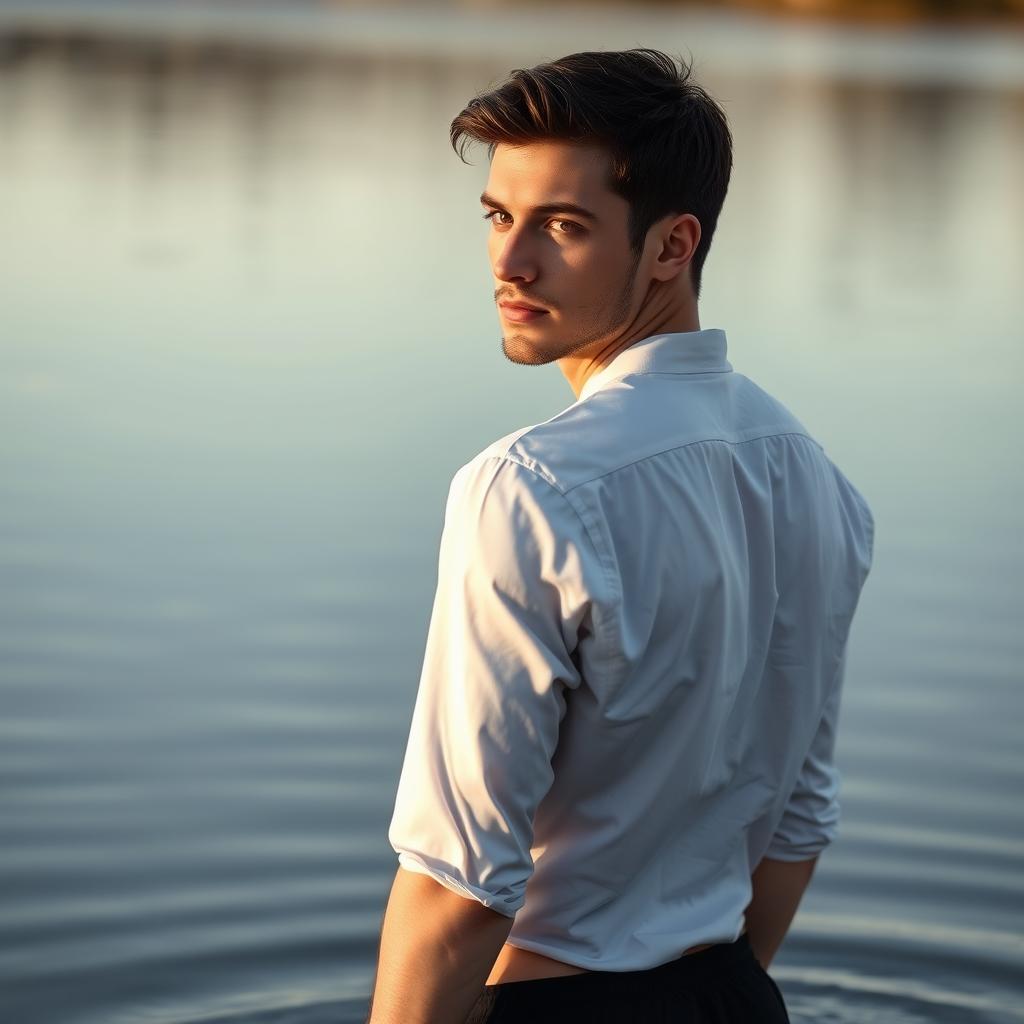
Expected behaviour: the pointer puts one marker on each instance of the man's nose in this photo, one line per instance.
(514, 259)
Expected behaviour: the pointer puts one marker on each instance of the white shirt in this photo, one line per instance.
(634, 662)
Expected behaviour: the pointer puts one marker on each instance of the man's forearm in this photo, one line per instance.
(778, 887)
(436, 951)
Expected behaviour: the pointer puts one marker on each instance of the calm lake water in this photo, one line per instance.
(237, 296)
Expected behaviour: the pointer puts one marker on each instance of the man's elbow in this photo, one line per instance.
(436, 951)
(425, 906)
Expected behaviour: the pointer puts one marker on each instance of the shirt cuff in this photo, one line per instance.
(505, 903)
(800, 847)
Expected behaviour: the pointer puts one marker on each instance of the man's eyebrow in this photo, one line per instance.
(559, 207)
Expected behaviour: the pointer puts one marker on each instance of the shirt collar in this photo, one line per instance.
(675, 352)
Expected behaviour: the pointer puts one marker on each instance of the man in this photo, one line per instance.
(620, 768)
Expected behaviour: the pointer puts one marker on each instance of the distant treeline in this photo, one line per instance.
(856, 10)
(896, 9)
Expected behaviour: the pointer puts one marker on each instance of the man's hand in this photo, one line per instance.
(436, 952)
(778, 887)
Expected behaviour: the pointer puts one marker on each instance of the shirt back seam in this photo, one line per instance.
(676, 447)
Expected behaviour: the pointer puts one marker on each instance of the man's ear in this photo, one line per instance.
(677, 237)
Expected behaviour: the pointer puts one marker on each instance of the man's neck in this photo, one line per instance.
(661, 313)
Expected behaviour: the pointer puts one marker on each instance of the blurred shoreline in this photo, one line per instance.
(907, 13)
(743, 39)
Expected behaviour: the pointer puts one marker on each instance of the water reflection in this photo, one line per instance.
(237, 292)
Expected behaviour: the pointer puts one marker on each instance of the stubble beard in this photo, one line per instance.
(518, 348)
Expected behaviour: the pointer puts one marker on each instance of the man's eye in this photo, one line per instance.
(570, 226)
(495, 213)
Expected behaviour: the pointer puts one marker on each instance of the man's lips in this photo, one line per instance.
(519, 312)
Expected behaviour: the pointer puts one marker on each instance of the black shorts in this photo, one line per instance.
(723, 984)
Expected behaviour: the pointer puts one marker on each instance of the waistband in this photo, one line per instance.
(722, 957)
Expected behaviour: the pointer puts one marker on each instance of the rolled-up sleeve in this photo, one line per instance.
(510, 607)
(810, 820)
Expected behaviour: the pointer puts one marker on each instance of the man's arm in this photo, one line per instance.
(436, 952)
(779, 886)
(809, 823)
(513, 602)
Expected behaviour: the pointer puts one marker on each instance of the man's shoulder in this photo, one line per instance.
(570, 447)
(502, 496)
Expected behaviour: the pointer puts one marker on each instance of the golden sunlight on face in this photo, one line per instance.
(558, 242)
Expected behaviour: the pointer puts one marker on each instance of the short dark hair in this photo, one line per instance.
(669, 141)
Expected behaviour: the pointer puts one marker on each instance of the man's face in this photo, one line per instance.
(545, 252)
